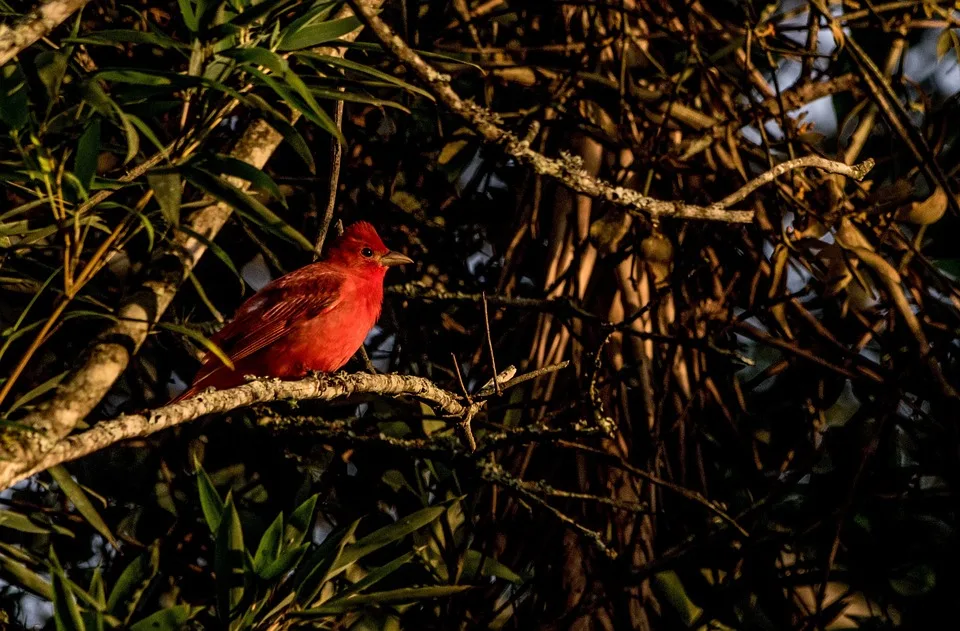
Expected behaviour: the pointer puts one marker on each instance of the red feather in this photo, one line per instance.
(312, 319)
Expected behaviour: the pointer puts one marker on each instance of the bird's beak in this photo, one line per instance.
(392, 258)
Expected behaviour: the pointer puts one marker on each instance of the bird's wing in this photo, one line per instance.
(268, 317)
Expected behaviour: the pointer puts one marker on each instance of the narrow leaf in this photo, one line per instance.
(168, 191)
(66, 613)
(312, 35)
(245, 205)
(300, 523)
(169, 619)
(202, 339)
(133, 582)
(80, 501)
(210, 501)
(269, 547)
(392, 597)
(387, 535)
(228, 561)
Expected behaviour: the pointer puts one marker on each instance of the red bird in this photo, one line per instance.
(312, 319)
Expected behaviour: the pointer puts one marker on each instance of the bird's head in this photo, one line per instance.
(361, 247)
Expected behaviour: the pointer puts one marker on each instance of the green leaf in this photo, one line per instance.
(168, 191)
(245, 205)
(199, 337)
(914, 581)
(219, 252)
(385, 536)
(311, 35)
(300, 523)
(210, 501)
(18, 521)
(374, 577)
(258, 179)
(269, 547)
(490, 567)
(169, 619)
(259, 57)
(392, 597)
(367, 70)
(39, 390)
(351, 97)
(133, 582)
(313, 572)
(14, 104)
(228, 561)
(285, 562)
(93, 620)
(670, 588)
(81, 502)
(66, 613)
(88, 152)
(51, 68)
(296, 142)
(146, 131)
(295, 93)
(189, 16)
(18, 574)
(115, 37)
(130, 132)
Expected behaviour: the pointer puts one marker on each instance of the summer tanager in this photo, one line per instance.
(312, 319)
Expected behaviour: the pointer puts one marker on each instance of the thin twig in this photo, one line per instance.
(493, 359)
(336, 154)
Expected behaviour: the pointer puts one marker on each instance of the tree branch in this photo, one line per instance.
(567, 170)
(317, 387)
(34, 25)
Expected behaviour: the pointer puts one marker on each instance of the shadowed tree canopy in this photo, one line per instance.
(679, 349)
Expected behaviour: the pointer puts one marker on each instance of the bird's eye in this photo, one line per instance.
(367, 252)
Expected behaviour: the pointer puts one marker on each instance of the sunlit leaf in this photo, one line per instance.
(310, 35)
(245, 205)
(392, 597)
(133, 583)
(300, 523)
(169, 619)
(18, 521)
(66, 613)
(202, 339)
(210, 502)
(385, 536)
(269, 547)
(168, 191)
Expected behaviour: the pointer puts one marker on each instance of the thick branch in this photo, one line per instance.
(34, 25)
(319, 388)
(566, 170)
(110, 354)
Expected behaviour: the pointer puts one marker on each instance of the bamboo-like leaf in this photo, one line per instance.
(391, 597)
(367, 70)
(245, 205)
(313, 571)
(258, 179)
(310, 35)
(133, 582)
(37, 391)
(285, 562)
(385, 536)
(269, 547)
(88, 151)
(18, 521)
(202, 339)
(66, 613)
(374, 577)
(20, 575)
(115, 37)
(219, 252)
(300, 523)
(228, 561)
(189, 15)
(80, 501)
(168, 191)
(210, 502)
(51, 67)
(490, 567)
(352, 97)
(169, 619)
